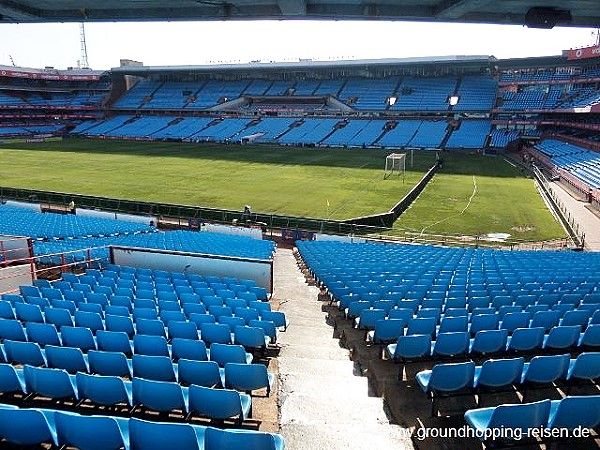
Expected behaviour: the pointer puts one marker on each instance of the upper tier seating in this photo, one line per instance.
(471, 134)
(580, 162)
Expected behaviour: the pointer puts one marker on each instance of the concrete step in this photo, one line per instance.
(324, 401)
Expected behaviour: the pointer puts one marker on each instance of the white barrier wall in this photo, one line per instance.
(14, 276)
(12, 248)
(117, 216)
(334, 237)
(33, 206)
(261, 271)
(255, 233)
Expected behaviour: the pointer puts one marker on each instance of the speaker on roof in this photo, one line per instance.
(546, 17)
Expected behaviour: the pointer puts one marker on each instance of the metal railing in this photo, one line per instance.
(560, 210)
(191, 217)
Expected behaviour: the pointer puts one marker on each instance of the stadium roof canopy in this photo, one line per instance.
(362, 65)
(536, 13)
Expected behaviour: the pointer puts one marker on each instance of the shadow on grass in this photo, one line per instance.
(263, 154)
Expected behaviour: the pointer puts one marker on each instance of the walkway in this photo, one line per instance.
(323, 404)
(587, 220)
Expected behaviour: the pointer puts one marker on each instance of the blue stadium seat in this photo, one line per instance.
(70, 359)
(525, 339)
(409, 347)
(216, 439)
(144, 344)
(110, 364)
(183, 330)
(42, 333)
(224, 353)
(248, 377)
(450, 344)
(146, 435)
(56, 384)
(215, 333)
(497, 374)
(159, 368)
(188, 349)
(12, 380)
(114, 341)
(200, 373)
(59, 316)
(562, 337)
(27, 427)
(91, 432)
(120, 324)
(445, 380)
(515, 417)
(104, 390)
(18, 352)
(219, 403)
(162, 396)
(575, 412)
(80, 337)
(488, 342)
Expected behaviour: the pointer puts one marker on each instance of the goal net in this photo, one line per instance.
(395, 163)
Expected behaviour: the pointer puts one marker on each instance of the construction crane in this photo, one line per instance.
(83, 62)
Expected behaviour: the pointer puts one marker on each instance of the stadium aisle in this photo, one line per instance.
(323, 405)
(587, 220)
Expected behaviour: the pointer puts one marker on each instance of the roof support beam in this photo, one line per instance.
(455, 9)
(292, 7)
(13, 11)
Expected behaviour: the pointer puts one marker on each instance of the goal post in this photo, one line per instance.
(395, 163)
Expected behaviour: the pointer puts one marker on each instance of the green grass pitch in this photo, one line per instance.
(308, 182)
(476, 195)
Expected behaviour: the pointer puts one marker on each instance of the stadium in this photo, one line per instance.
(375, 253)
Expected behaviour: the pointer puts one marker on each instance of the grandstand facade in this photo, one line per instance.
(38, 102)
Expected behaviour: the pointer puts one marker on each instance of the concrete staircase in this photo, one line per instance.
(324, 402)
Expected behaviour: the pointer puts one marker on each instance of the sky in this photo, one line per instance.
(196, 43)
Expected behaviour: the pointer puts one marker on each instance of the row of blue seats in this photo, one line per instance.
(24, 222)
(426, 264)
(32, 426)
(113, 280)
(505, 374)
(116, 363)
(226, 386)
(118, 271)
(123, 315)
(155, 278)
(106, 287)
(424, 134)
(90, 328)
(435, 288)
(432, 321)
(83, 294)
(163, 300)
(513, 423)
(400, 322)
(160, 396)
(452, 344)
(180, 240)
(454, 299)
(120, 314)
(418, 287)
(146, 341)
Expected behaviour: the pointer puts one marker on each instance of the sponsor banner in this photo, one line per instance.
(47, 76)
(583, 53)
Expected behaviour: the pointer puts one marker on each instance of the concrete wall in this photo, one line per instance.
(14, 276)
(222, 266)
